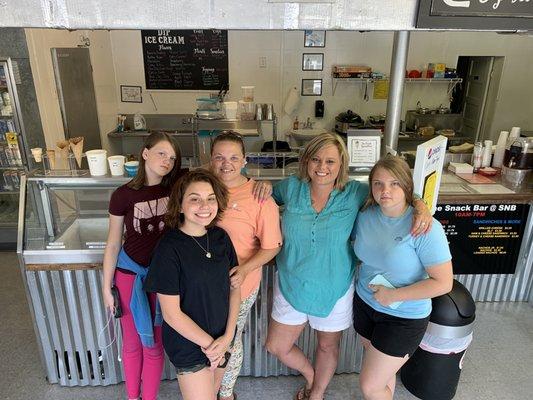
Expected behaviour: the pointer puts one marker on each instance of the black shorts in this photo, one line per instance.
(391, 335)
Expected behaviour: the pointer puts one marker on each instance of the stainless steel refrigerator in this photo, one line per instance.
(77, 100)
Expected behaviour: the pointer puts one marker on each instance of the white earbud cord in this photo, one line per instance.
(117, 335)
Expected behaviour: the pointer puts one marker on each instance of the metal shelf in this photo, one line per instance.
(9, 192)
(452, 82)
(7, 116)
(12, 167)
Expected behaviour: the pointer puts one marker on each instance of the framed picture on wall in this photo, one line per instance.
(312, 61)
(311, 87)
(131, 94)
(314, 38)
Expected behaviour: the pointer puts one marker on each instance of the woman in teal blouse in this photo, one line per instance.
(316, 265)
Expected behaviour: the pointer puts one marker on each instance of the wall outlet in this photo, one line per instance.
(262, 62)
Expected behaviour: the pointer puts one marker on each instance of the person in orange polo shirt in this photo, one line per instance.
(254, 229)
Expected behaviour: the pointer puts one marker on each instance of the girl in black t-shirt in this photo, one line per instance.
(190, 274)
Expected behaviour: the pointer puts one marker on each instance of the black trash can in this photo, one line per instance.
(432, 372)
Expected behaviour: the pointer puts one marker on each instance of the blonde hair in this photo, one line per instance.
(317, 144)
(398, 168)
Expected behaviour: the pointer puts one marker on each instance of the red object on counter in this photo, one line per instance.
(415, 74)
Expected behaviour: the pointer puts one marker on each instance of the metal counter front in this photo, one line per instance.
(62, 231)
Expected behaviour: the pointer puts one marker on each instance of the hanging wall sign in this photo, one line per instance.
(475, 14)
(483, 238)
(185, 59)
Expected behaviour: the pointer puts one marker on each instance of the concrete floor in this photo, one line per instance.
(498, 364)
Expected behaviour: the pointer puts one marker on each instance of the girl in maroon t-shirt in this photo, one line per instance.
(136, 212)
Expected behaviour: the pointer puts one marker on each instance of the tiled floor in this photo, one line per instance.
(498, 365)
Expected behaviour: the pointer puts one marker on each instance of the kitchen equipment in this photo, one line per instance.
(446, 132)
(259, 111)
(443, 110)
(514, 175)
(139, 122)
(346, 121)
(413, 119)
(230, 109)
(520, 154)
(248, 93)
(268, 112)
(207, 104)
(319, 108)
(116, 165)
(131, 168)
(422, 110)
(97, 162)
(426, 131)
(247, 110)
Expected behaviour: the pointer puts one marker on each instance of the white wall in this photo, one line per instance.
(117, 60)
(283, 51)
(40, 41)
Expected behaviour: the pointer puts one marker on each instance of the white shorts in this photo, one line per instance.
(339, 319)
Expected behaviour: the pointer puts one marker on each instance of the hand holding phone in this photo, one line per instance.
(381, 280)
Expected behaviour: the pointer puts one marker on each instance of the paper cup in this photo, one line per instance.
(131, 167)
(116, 165)
(97, 162)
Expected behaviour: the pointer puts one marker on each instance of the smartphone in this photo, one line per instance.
(381, 280)
(116, 302)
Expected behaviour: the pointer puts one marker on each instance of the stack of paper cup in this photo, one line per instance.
(497, 160)
(515, 132)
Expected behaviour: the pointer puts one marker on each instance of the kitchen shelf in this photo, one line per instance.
(6, 116)
(9, 192)
(11, 167)
(452, 82)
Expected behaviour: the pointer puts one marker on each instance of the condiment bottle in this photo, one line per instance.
(487, 154)
(477, 156)
(295, 124)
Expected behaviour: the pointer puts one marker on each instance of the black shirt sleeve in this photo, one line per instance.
(163, 275)
(230, 251)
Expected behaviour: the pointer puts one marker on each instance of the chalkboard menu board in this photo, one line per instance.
(185, 59)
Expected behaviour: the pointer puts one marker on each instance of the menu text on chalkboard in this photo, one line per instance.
(185, 59)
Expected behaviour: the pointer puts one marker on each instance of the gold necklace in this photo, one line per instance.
(207, 252)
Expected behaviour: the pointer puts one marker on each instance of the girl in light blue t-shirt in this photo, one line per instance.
(398, 276)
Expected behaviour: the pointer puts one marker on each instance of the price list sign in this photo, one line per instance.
(185, 59)
(483, 238)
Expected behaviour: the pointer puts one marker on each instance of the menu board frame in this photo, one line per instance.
(490, 15)
(189, 59)
(484, 238)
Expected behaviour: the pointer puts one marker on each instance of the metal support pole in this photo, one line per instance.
(397, 77)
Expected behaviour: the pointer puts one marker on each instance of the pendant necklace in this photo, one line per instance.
(207, 252)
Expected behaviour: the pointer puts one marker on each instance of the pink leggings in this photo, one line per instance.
(140, 363)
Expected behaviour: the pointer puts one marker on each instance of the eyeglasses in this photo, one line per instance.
(164, 156)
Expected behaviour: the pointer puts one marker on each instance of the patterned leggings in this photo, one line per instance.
(235, 361)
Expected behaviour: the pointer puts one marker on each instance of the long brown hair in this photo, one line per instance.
(317, 144)
(168, 180)
(398, 168)
(174, 216)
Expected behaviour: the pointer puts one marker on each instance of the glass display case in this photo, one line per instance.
(13, 161)
(63, 223)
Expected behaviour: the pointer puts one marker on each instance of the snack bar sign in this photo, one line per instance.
(484, 238)
(476, 14)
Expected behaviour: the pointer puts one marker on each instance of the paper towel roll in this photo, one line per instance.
(292, 100)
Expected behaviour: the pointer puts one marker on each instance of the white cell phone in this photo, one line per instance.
(381, 280)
